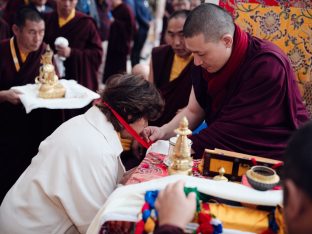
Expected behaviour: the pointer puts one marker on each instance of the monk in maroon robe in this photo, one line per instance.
(4, 30)
(84, 53)
(245, 89)
(21, 133)
(120, 36)
(176, 91)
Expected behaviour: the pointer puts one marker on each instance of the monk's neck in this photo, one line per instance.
(21, 49)
(186, 57)
(66, 16)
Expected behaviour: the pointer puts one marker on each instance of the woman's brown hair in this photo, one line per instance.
(132, 97)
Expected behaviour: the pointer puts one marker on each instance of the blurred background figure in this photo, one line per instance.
(143, 16)
(121, 35)
(4, 30)
(42, 6)
(181, 5)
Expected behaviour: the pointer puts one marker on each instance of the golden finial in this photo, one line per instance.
(221, 176)
(182, 161)
(46, 58)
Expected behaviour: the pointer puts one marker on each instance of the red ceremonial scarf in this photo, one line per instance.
(130, 130)
(217, 82)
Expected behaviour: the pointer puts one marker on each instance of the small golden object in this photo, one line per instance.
(221, 176)
(182, 162)
(48, 80)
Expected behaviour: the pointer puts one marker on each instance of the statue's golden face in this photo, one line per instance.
(48, 68)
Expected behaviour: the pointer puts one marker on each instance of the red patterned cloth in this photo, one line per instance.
(152, 167)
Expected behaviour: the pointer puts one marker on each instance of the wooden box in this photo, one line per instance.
(235, 164)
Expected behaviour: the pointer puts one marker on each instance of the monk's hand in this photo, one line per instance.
(63, 51)
(173, 207)
(152, 133)
(11, 96)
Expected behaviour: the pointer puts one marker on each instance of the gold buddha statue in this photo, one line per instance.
(50, 87)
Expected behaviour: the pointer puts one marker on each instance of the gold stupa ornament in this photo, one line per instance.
(182, 162)
(50, 87)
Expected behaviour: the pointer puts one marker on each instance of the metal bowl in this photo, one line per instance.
(262, 178)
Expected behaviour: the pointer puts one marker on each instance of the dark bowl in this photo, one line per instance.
(262, 178)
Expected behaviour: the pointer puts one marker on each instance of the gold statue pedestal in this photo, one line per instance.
(182, 162)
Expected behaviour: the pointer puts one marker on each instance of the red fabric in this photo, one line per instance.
(219, 80)
(139, 227)
(127, 126)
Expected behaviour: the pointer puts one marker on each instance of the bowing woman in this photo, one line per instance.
(78, 166)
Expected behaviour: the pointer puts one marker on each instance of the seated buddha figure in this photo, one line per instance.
(50, 87)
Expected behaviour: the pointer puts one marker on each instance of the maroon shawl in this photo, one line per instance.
(217, 82)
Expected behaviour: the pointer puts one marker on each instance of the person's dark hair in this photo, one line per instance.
(298, 159)
(179, 14)
(26, 13)
(132, 97)
(210, 20)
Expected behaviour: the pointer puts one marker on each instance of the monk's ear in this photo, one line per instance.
(15, 29)
(227, 39)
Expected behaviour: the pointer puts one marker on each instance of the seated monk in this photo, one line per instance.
(244, 88)
(170, 68)
(78, 166)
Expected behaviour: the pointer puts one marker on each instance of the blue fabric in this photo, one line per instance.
(202, 126)
(83, 6)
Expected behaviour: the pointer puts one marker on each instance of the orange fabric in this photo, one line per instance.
(23, 56)
(241, 218)
(63, 21)
(178, 65)
(289, 28)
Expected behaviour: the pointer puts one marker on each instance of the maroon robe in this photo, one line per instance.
(175, 93)
(85, 43)
(261, 109)
(120, 36)
(4, 30)
(20, 133)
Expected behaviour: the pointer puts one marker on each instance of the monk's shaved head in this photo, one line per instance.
(210, 20)
(179, 14)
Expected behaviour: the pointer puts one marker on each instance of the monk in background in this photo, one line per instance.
(120, 36)
(84, 53)
(12, 7)
(244, 88)
(21, 133)
(170, 68)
